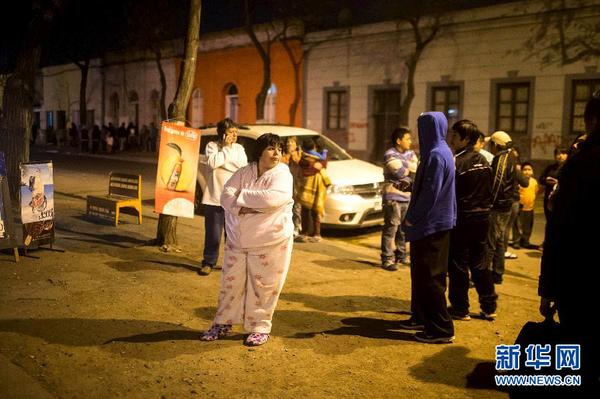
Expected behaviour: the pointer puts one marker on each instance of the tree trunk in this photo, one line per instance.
(297, 82)
(166, 232)
(84, 67)
(163, 85)
(411, 65)
(17, 103)
(266, 61)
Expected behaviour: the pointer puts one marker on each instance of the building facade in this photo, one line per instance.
(478, 67)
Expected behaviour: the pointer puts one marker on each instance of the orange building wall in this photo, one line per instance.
(242, 66)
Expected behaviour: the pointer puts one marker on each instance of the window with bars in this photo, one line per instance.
(446, 99)
(337, 110)
(512, 107)
(582, 91)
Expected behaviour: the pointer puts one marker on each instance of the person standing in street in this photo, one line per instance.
(569, 273)
(505, 188)
(549, 177)
(223, 158)
(400, 165)
(430, 217)
(468, 239)
(258, 211)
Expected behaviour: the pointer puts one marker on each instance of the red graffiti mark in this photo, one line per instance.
(544, 141)
(359, 125)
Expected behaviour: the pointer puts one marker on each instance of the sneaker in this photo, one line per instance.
(301, 238)
(422, 336)
(257, 339)
(488, 316)
(315, 239)
(215, 332)
(389, 266)
(510, 255)
(458, 316)
(403, 262)
(410, 324)
(205, 269)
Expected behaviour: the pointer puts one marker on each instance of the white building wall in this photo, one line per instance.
(478, 46)
(61, 85)
(141, 77)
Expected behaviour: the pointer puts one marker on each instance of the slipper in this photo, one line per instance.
(215, 332)
(256, 339)
(510, 255)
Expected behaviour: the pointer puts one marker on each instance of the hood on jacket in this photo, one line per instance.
(433, 127)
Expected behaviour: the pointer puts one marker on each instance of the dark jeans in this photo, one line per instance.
(468, 245)
(394, 213)
(214, 223)
(428, 270)
(524, 227)
(496, 244)
(311, 222)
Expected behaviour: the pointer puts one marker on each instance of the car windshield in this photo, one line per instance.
(334, 151)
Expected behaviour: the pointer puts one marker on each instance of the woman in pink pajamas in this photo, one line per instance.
(258, 219)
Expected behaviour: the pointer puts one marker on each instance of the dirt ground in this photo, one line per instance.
(110, 317)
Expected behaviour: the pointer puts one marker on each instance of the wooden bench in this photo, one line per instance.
(124, 191)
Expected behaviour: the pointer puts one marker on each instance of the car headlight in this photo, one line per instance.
(346, 190)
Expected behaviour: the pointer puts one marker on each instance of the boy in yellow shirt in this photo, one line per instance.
(526, 204)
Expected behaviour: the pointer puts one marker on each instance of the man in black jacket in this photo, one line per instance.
(506, 181)
(468, 239)
(569, 271)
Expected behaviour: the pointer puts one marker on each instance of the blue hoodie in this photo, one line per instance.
(432, 205)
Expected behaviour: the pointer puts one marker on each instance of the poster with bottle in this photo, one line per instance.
(177, 169)
(37, 202)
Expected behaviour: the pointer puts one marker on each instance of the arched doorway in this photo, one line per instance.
(155, 116)
(231, 102)
(196, 109)
(269, 110)
(134, 108)
(113, 107)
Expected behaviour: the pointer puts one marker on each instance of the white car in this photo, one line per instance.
(353, 199)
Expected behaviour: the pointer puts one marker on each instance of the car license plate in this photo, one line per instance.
(377, 205)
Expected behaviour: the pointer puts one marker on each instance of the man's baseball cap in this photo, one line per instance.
(499, 138)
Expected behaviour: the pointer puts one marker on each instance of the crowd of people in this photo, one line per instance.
(456, 204)
(107, 139)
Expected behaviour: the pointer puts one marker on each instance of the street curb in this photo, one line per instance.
(125, 158)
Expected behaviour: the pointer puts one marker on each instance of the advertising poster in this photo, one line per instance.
(37, 202)
(177, 169)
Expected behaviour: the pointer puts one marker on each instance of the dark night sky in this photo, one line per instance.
(98, 25)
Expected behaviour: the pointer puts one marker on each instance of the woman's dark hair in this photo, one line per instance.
(308, 144)
(526, 164)
(399, 133)
(223, 126)
(466, 129)
(265, 141)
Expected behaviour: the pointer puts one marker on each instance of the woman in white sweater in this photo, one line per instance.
(258, 220)
(223, 158)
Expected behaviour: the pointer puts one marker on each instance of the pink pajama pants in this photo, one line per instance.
(251, 282)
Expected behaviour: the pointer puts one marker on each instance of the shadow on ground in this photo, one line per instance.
(346, 303)
(452, 366)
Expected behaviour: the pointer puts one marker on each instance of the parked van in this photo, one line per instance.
(353, 199)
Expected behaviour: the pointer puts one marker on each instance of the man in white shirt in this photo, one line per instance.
(223, 158)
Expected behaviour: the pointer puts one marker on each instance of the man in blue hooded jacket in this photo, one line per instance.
(430, 217)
